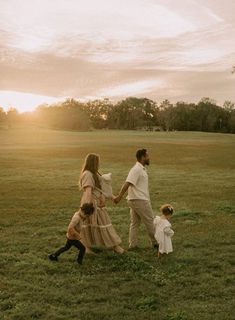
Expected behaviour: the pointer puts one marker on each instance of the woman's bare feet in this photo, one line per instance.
(118, 249)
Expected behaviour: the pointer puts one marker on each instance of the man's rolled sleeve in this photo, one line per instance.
(133, 177)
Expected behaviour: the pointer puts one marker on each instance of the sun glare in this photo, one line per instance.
(24, 101)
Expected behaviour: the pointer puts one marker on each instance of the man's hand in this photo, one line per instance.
(117, 199)
(122, 192)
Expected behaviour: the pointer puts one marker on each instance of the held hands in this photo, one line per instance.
(117, 199)
(121, 193)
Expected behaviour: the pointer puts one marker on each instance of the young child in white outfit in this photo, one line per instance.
(163, 231)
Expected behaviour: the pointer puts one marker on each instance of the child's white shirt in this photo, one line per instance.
(163, 234)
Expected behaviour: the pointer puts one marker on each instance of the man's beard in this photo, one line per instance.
(147, 162)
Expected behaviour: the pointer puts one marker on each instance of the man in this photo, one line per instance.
(138, 198)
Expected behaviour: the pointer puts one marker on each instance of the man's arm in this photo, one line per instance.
(122, 192)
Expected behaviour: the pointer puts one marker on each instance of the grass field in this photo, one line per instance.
(195, 172)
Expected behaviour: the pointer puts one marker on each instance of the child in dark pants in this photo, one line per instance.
(73, 233)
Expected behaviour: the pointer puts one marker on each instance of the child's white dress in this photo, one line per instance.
(163, 234)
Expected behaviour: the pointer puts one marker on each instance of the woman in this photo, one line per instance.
(98, 229)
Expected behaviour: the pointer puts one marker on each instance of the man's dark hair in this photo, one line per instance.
(88, 208)
(140, 153)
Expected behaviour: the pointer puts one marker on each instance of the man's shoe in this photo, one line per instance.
(53, 257)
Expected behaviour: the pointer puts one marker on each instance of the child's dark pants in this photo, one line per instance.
(71, 243)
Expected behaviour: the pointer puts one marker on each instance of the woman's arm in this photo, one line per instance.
(87, 195)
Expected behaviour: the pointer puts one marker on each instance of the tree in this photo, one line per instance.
(12, 117)
(132, 113)
(67, 115)
(98, 112)
(229, 105)
(2, 116)
(165, 115)
(182, 116)
(231, 122)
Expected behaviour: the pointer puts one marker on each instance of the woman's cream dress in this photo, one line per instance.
(97, 230)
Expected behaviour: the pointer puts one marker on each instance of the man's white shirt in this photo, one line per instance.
(138, 177)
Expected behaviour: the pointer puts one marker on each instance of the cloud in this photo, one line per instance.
(133, 88)
(118, 48)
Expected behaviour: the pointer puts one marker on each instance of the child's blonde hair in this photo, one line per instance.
(167, 209)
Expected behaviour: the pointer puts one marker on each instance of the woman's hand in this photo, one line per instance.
(117, 199)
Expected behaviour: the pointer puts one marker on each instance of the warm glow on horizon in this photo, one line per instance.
(24, 101)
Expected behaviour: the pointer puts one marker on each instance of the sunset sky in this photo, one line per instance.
(86, 49)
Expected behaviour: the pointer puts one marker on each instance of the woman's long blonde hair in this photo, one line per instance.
(91, 164)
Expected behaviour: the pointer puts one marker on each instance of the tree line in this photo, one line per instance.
(131, 114)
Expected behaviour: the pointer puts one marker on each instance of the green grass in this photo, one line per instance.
(195, 172)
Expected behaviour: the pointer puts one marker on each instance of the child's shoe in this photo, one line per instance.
(53, 257)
